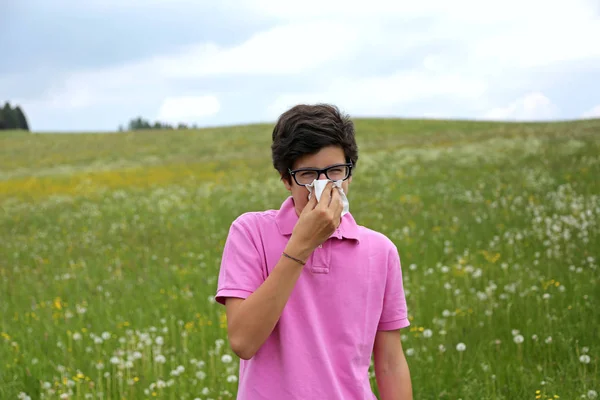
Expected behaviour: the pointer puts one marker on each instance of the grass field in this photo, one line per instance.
(110, 246)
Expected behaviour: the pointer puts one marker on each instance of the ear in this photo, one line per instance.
(286, 183)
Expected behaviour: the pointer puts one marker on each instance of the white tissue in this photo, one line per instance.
(319, 184)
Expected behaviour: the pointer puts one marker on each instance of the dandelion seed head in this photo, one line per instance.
(226, 358)
(584, 359)
(518, 339)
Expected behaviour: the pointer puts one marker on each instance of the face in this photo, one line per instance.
(326, 157)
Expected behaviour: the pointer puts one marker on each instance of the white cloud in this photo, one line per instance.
(385, 95)
(594, 112)
(285, 49)
(531, 107)
(188, 108)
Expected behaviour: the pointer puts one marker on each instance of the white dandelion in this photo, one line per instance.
(518, 339)
(226, 358)
(201, 375)
(584, 359)
(461, 347)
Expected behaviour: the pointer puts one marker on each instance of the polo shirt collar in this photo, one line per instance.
(286, 219)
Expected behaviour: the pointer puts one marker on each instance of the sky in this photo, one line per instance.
(94, 65)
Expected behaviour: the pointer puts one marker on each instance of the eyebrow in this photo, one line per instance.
(313, 168)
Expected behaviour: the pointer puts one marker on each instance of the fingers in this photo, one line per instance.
(326, 196)
(336, 202)
(312, 203)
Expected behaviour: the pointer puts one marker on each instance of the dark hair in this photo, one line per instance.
(306, 129)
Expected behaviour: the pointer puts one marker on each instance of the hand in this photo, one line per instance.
(316, 223)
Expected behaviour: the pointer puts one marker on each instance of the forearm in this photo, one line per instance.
(393, 380)
(257, 315)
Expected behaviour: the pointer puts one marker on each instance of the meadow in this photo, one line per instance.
(110, 246)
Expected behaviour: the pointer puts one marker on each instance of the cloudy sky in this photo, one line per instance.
(94, 64)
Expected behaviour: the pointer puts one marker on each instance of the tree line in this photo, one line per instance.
(139, 123)
(12, 118)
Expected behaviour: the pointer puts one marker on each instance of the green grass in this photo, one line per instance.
(111, 243)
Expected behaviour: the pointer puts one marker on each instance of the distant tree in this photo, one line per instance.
(139, 123)
(9, 117)
(22, 120)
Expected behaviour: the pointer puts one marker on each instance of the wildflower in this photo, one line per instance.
(546, 296)
(114, 360)
(205, 391)
(427, 333)
(592, 394)
(226, 358)
(442, 348)
(232, 378)
(201, 375)
(518, 339)
(77, 336)
(585, 349)
(584, 359)
(105, 335)
(461, 347)
(410, 352)
(160, 359)
(515, 332)
(534, 337)
(159, 340)
(549, 339)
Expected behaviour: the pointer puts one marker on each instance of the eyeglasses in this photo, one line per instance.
(305, 176)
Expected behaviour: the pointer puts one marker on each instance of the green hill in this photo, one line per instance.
(112, 240)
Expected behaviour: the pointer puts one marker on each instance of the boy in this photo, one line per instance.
(309, 294)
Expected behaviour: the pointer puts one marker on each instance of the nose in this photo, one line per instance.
(324, 176)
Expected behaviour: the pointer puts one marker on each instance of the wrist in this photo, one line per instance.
(298, 250)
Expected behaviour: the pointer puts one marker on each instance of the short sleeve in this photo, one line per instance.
(394, 314)
(242, 262)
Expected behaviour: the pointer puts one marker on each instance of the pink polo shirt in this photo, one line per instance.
(350, 288)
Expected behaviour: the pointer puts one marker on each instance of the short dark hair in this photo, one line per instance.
(306, 129)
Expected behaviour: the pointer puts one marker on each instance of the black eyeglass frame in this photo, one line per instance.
(320, 171)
